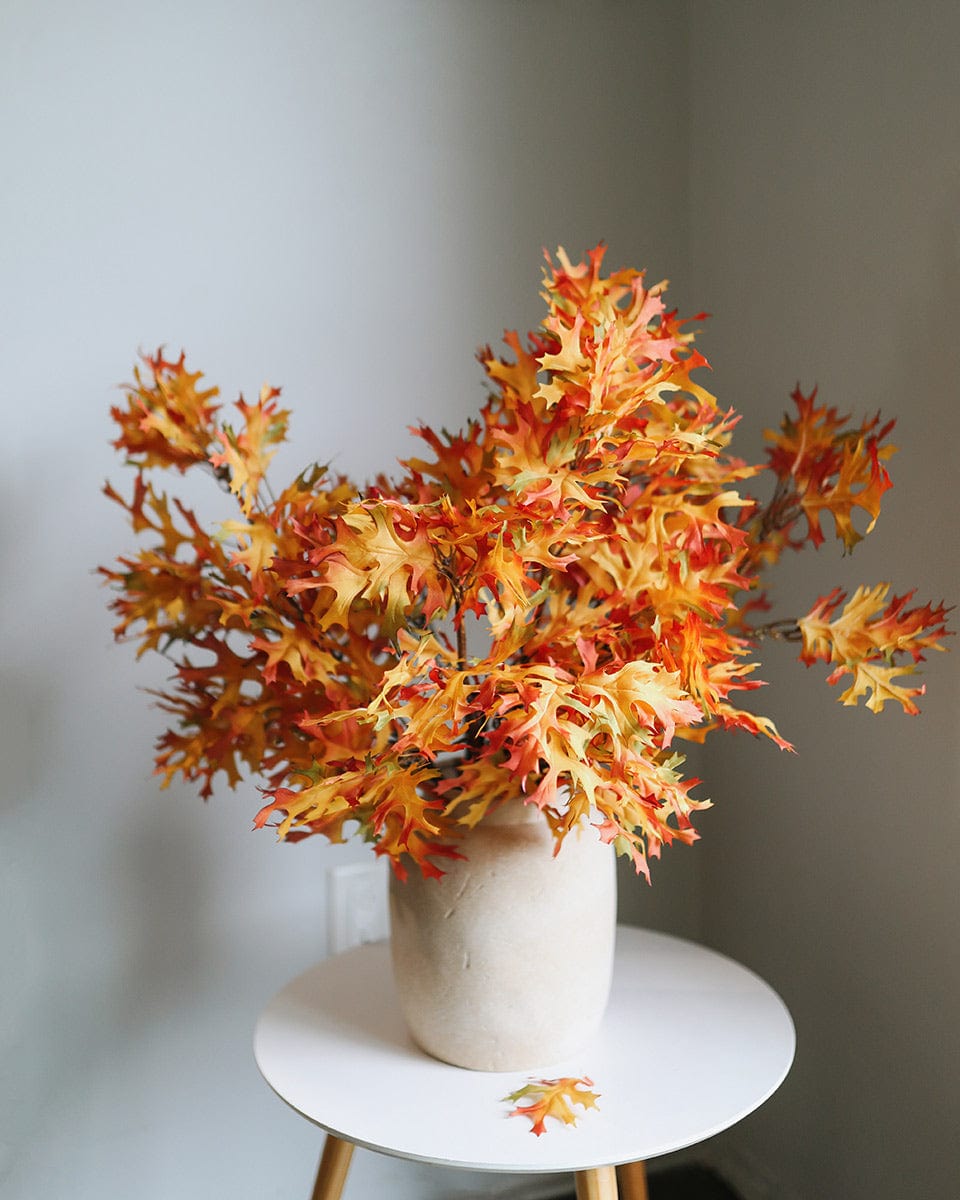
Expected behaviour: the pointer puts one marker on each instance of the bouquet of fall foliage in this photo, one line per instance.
(591, 518)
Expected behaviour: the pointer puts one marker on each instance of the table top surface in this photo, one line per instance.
(692, 1042)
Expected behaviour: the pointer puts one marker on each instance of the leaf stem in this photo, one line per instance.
(786, 630)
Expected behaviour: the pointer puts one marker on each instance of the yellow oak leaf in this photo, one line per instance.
(822, 466)
(876, 682)
(256, 543)
(552, 1099)
(864, 638)
(169, 419)
(382, 553)
(641, 693)
(570, 356)
(247, 453)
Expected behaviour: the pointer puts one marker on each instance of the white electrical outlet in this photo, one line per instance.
(357, 910)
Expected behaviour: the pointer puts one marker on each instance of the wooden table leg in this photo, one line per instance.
(332, 1172)
(633, 1181)
(597, 1183)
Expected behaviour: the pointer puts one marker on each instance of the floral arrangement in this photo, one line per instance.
(590, 521)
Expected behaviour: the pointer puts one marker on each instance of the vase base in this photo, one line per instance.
(505, 963)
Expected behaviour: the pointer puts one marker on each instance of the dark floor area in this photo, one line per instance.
(688, 1183)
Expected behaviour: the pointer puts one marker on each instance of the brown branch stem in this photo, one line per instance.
(461, 642)
(786, 630)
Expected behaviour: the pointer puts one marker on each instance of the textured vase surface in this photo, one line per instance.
(505, 963)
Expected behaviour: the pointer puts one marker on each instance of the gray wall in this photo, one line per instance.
(825, 236)
(343, 198)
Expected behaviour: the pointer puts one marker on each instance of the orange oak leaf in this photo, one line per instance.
(552, 1098)
(246, 453)
(169, 420)
(865, 638)
(822, 466)
(381, 552)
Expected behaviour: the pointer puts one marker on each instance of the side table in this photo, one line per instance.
(692, 1042)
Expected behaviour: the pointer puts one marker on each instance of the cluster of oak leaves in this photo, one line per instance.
(592, 519)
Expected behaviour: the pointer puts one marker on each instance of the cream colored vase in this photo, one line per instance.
(505, 963)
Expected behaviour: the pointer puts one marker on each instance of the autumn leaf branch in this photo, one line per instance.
(590, 517)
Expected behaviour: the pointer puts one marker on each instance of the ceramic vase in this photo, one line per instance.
(505, 962)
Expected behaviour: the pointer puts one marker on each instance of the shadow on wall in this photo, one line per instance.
(24, 1003)
(160, 887)
(671, 902)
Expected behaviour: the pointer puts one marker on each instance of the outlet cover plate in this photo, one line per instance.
(357, 908)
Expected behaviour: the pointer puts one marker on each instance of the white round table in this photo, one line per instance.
(691, 1043)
